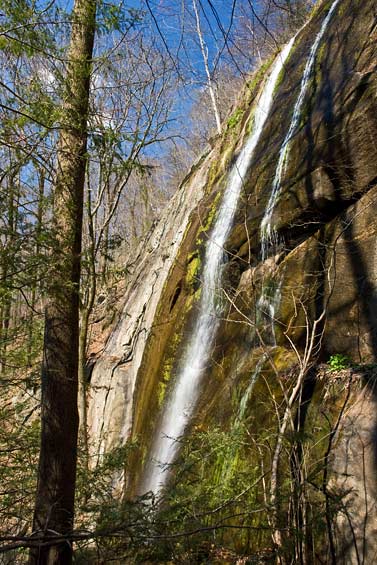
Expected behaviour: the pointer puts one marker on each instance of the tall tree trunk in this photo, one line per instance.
(8, 267)
(54, 507)
(35, 284)
(87, 305)
(85, 314)
(204, 51)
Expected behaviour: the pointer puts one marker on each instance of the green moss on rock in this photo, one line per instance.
(235, 118)
(193, 270)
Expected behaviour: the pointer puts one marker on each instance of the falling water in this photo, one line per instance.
(267, 305)
(229, 458)
(180, 405)
(268, 233)
(249, 390)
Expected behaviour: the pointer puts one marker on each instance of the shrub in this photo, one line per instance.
(338, 362)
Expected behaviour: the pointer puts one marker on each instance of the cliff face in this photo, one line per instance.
(314, 296)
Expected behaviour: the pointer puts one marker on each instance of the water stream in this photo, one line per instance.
(182, 401)
(268, 233)
(267, 306)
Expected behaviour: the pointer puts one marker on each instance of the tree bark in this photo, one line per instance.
(54, 506)
(36, 282)
(85, 314)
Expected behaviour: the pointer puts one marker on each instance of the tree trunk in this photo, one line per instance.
(54, 507)
(85, 314)
(36, 282)
(204, 52)
(8, 314)
(82, 400)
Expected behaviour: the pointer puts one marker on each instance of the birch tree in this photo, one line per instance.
(204, 52)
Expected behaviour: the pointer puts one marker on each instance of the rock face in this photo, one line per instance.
(114, 375)
(354, 468)
(319, 283)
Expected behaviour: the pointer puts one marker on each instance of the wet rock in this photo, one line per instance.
(324, 269)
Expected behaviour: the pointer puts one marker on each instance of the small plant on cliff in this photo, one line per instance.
(338, 362)
(235, 118)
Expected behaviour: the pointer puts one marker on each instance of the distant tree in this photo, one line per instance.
(204, 52)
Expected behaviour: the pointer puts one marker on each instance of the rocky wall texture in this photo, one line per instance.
(114, 374)
(323, 269)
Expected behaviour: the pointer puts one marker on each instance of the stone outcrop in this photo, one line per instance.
(114, 374)
(354, 473)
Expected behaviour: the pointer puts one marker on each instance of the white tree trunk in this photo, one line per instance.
(204, 52)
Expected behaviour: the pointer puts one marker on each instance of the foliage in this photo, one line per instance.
(113, 17)
(97, 498)
(339, 361)
(19, 429)
(235, 118)
(213, 488)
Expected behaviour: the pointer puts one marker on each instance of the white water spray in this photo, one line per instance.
(180, 405)
(267, 306)
(268, 233)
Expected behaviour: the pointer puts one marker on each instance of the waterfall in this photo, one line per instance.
(182, 401)
(268, 233)
(229, 459)
(267, 305)
(249, 390)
